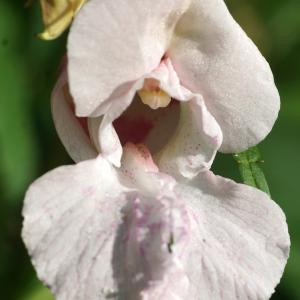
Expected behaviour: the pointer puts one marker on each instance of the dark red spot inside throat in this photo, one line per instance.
(132, 130)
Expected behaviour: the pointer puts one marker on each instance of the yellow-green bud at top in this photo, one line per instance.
(57, 16)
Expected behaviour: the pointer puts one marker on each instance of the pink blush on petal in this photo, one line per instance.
(84, 124)
(141, 155)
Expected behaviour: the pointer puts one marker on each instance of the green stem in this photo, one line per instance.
(250, 169)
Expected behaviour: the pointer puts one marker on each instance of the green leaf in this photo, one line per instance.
(250, 169)
(38, 293)
(18, 147)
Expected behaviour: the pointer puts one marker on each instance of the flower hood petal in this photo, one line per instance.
(70, 131)
(213, 56)
(192, 146)
(99, 56)
(240, 237)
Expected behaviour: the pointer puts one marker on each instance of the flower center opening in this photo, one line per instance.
(140, 124)
(152, 95)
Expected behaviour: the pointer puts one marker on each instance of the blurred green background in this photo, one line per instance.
(29, 146)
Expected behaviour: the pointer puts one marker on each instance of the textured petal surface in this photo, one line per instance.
(96, 234)
(213, 56)
(156, 230)
(71, 219)
(91, 237)
(149, 258)
(194, 144)
(113, 43)
(240, 240)
(70, 130)
(198, 136)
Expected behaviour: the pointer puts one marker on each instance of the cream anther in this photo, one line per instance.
(152, 95)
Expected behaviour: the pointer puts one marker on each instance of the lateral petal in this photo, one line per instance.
(70, 131)
(214, 57)
(198, 136)
(240, 236)
(71, 219)
(194, 144)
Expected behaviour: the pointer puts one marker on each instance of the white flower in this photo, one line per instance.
(152, 222)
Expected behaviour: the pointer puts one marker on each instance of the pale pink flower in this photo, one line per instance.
(152, 222)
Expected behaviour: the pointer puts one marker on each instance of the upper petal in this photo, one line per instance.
(213, 56)
(113, 43)
(240, 237)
